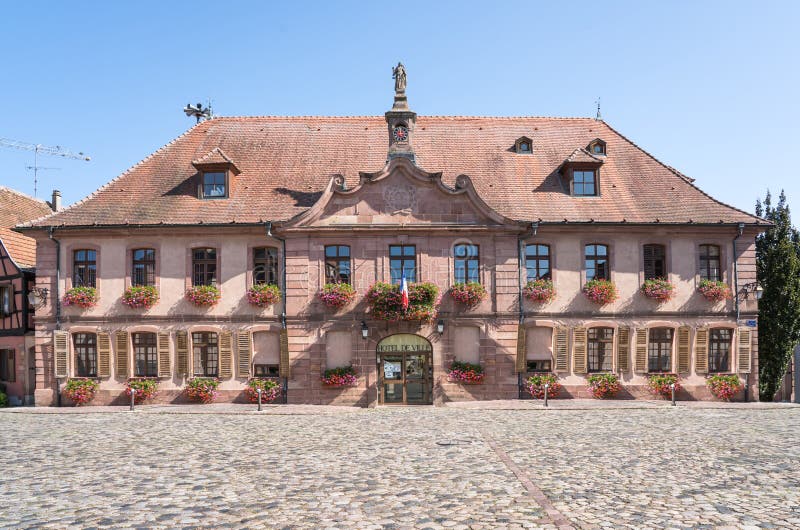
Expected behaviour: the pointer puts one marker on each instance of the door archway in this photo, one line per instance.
(405, 370)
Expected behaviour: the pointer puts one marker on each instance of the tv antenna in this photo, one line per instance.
(45, 150)
(198, 112)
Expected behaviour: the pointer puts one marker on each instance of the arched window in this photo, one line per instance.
(719, 350)
(710, 263)
(337, 264)
(466, 263)
(655, 262)
(537, 261)
(85, 347)
(84, 268)
(265, 266)
(659, 350)
(601, 349)
(145, 354)
(143, 268)
(205, 350)
(596, 257)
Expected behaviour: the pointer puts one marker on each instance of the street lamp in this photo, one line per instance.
(752, 287)
(440, 326)
(364, 330)
(38, 296)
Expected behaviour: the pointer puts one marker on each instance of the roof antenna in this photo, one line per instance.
(598, 117)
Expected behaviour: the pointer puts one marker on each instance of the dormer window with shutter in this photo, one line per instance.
(581, 173)
(523, 146)
(215, 172)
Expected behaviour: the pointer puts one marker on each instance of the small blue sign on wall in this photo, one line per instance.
(751, 323)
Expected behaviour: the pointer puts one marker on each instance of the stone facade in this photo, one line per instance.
(400, 204)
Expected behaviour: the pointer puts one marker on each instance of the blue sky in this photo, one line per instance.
(708, 87)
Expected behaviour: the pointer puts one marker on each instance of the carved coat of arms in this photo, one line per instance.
(400, 198)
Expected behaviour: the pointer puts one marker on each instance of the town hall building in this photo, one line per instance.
(504, 205)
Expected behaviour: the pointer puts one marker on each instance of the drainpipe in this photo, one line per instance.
(268, 226)
(739, 231)
(57, 299)
(521, 265)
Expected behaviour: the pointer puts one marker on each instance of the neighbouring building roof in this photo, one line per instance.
(16, 208)
(286, 162)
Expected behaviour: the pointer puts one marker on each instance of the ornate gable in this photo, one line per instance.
(401, 195)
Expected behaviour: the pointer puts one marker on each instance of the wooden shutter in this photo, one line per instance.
(244, 351)
(579, 350)
(701, 350)
(560, 346)
(61, 353)
(649, 261)
(623, 350)
(225, 354)
(684, 349)
(182, 352)
(103, 355)
(122, 353)
(641, 350)
(745, 349)
(284, 367)
(521, 351)
(163, 354)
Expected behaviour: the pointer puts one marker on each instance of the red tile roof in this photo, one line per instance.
(15, 208)
(286, 162)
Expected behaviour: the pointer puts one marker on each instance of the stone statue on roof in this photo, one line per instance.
(399, 76)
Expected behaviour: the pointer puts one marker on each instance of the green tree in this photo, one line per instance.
(778, 266)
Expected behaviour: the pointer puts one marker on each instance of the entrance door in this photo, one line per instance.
(405, 370)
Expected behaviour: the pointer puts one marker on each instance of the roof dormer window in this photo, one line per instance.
(215, 185)
(216, 172)
(523, 146)
(584, 182)
(597, 147)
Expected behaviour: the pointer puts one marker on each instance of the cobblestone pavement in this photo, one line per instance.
(404, 468)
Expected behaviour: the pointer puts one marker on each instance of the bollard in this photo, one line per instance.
(546, 390)
(258, 391)
(672, 389)
(133, 398)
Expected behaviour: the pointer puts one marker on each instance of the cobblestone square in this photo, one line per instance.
(403, 468)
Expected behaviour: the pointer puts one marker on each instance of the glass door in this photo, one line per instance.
(406, 378)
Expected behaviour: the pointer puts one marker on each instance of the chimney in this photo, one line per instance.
(55, 203)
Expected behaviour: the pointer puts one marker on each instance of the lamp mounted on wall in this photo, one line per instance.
(440, 326)
(38, 296)
(364, 330)
(753, 288)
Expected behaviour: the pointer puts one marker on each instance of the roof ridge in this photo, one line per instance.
(117, 178)
(380, 116)
(23, 194)
(687, 180)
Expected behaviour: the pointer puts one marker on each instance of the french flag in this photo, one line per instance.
(404, 291)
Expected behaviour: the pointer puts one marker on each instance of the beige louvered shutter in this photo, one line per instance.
(103, 355)
(163, 354)
(641, 350)
(521, 351)
(560, 346)
(284, 367)
(182, 352)
(623, 350)
(684, 349)
(701, 350)
(122, 353)
(745, 349)
(243, 350)
(579, 350)
(225, 354)
(61, 353)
